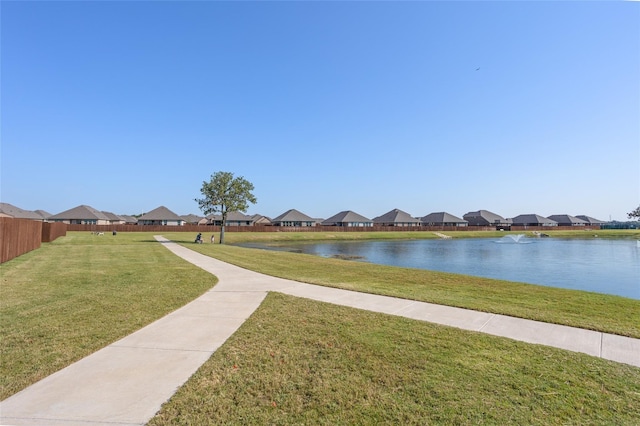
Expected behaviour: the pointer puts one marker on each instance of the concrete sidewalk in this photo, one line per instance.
(127, 382)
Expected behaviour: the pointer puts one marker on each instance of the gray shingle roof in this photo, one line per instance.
(590, 220)
(567, 219)
(113, 217)
(45, 214)
(484, 217)
(396, 216)
(18, 213)
(258, 218)
(293, 215)
(441, 217)
(129, 219)
(532, 219)
(81, 212)
(191, 218)
(232, 216)
(160, 213)
(346, 216)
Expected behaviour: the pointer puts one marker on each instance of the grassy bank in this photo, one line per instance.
(261, 237)
(82, 292)
(298, 361)
(611, 314)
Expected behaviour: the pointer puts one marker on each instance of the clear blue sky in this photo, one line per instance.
(513, 107)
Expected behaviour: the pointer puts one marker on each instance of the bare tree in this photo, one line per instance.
(224, 194)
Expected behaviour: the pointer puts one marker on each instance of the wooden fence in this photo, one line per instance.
(53, 230)
(18, 236)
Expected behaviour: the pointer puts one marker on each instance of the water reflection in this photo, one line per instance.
(605, 266)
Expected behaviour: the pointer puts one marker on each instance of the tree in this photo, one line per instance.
(224, 193)
(634, 214)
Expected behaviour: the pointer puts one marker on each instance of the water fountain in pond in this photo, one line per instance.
(513, 239)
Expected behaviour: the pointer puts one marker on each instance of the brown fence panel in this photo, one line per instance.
(53, 230)
(18, 236)
(143, 228)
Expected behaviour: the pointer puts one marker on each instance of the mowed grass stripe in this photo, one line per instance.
(593, 311)
(82, 292)
(297, 361)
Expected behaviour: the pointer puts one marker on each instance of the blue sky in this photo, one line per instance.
(513, 107)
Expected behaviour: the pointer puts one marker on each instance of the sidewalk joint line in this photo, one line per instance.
(492, 316)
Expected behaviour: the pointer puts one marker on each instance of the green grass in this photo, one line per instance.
(241, 237)
(298, 361)
(595, 311)
(82, 292)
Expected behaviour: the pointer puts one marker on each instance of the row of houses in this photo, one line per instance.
(86, 215)
(397, 217)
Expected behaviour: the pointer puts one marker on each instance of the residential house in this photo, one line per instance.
(192, 219)
(442, 219)
(567, 220)
(396, 217)
(161, 216)
(233, 219)
(590, 220)
(348, 218)
(129, 220)
(293, 218)
(258, 219)
(44, 214)
(533, 220)
(9, 210)
(485, 218)
(114, 219)
(81, 215)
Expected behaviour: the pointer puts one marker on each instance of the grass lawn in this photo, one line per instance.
(239, 237)
(82, 292)
(611, 314)
(298, 361)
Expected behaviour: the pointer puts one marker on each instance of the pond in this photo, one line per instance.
(600, 265)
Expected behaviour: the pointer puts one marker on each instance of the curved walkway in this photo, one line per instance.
(127, 382)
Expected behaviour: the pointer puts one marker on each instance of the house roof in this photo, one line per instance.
(396, 216)
(293, 215)
(565, 218)
(191, 218)
(45, 214)
(160, 213)
(258, 218)
(129, 219)
(590, 220)
(81, 212)
(18, 213)
(346, 216)
(490, 217)
(112, 216)
(532, 219)
(232, 216)
(441, 217)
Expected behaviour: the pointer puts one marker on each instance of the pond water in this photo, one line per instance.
(598, 265)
